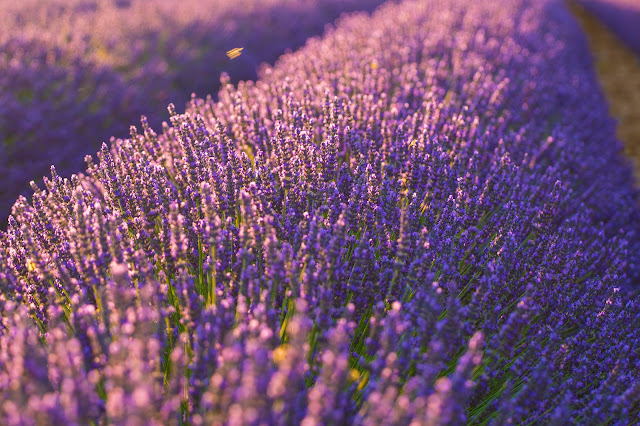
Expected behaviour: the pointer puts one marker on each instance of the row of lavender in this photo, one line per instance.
(73, 73)
(621, 16)
(421, 218)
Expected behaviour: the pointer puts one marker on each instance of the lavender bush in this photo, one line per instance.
(421, 218)
(621, 16)
(73, 73)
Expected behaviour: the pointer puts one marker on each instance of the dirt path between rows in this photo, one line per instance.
(618, 68)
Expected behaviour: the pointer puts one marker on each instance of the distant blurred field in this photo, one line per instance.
(619, 70)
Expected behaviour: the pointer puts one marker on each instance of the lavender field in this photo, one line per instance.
(74, 73)
(421, 217)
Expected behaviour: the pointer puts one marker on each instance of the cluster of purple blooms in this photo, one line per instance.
(421, 218)
(621, 16)
(73, 73)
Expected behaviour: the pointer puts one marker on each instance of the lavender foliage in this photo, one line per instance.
(421, 218)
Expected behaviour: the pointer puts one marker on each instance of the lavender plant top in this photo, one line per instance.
(73, 73)
(621, 16)
(421, 218)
